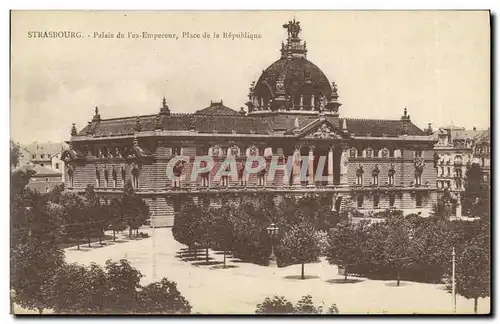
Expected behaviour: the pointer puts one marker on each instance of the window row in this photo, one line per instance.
(115, 178)
(391, 200)
(380, 153)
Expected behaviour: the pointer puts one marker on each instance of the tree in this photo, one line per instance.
(134, 209)
(299, 245)
(473, 270)
(306, 306)
(163, 298)
(223, 235)
(396, 244)
(95, 221)
(77, 289)
(115, 217)
(204, 230)
(122, 285)
(476, 198)
(277, 305)
(344, 241)
(185, 223)
(280, 305)
(35, 250)
(74, 220)
(15, 154)
(251, 240)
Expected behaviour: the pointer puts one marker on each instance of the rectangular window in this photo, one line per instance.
(376, 200)
(418, 199)
(375, 179)
(360, 201)
(57, 166)
(359, 179)
(418, 153)
(392, 200)
(33, 156)
(224, 181)
(391, 179)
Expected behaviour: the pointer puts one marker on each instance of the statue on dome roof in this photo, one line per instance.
(293, 28)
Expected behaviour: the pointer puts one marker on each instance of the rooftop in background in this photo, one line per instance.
(217, 109)
(43, 151)
(40, 171)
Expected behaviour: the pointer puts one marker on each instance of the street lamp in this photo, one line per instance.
(272, 230)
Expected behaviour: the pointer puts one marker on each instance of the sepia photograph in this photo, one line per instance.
(250, 162)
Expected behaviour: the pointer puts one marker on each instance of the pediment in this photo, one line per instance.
(321, 130)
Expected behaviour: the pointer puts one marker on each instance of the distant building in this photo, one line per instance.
(456, 148)
(46, 155)
(44, 179)
(482, 154)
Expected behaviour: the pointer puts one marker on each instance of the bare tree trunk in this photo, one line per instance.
(475, 305)
(78, 246)
(398, 278)
(302, 272)
(206, 254)
(129, 232)
(88, 238)
(345, 274)
(114, 235)
(224, 266)
(40, 310)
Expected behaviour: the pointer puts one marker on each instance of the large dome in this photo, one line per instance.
(293, 83)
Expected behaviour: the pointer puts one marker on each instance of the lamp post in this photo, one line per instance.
(272, 230)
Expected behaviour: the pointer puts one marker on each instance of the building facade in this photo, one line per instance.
(292, 119)
(46, 155)
(457, 148)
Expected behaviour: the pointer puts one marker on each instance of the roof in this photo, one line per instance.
(465, 134)
(227, 124)
(179, 122)
(46, 148)
(297, 72)
(40, 171)
(380, 127)
(217, 109)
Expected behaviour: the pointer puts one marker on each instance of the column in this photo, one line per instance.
(301, 102)
(459, 206)
(312, 102)
(330, 166)
(296, 166)
(310, 181)
(343, 167)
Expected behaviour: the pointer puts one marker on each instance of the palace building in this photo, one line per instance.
(293, 115)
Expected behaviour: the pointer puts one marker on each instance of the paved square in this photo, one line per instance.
(240, 289)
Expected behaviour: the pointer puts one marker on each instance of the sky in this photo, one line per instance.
(436, 63)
